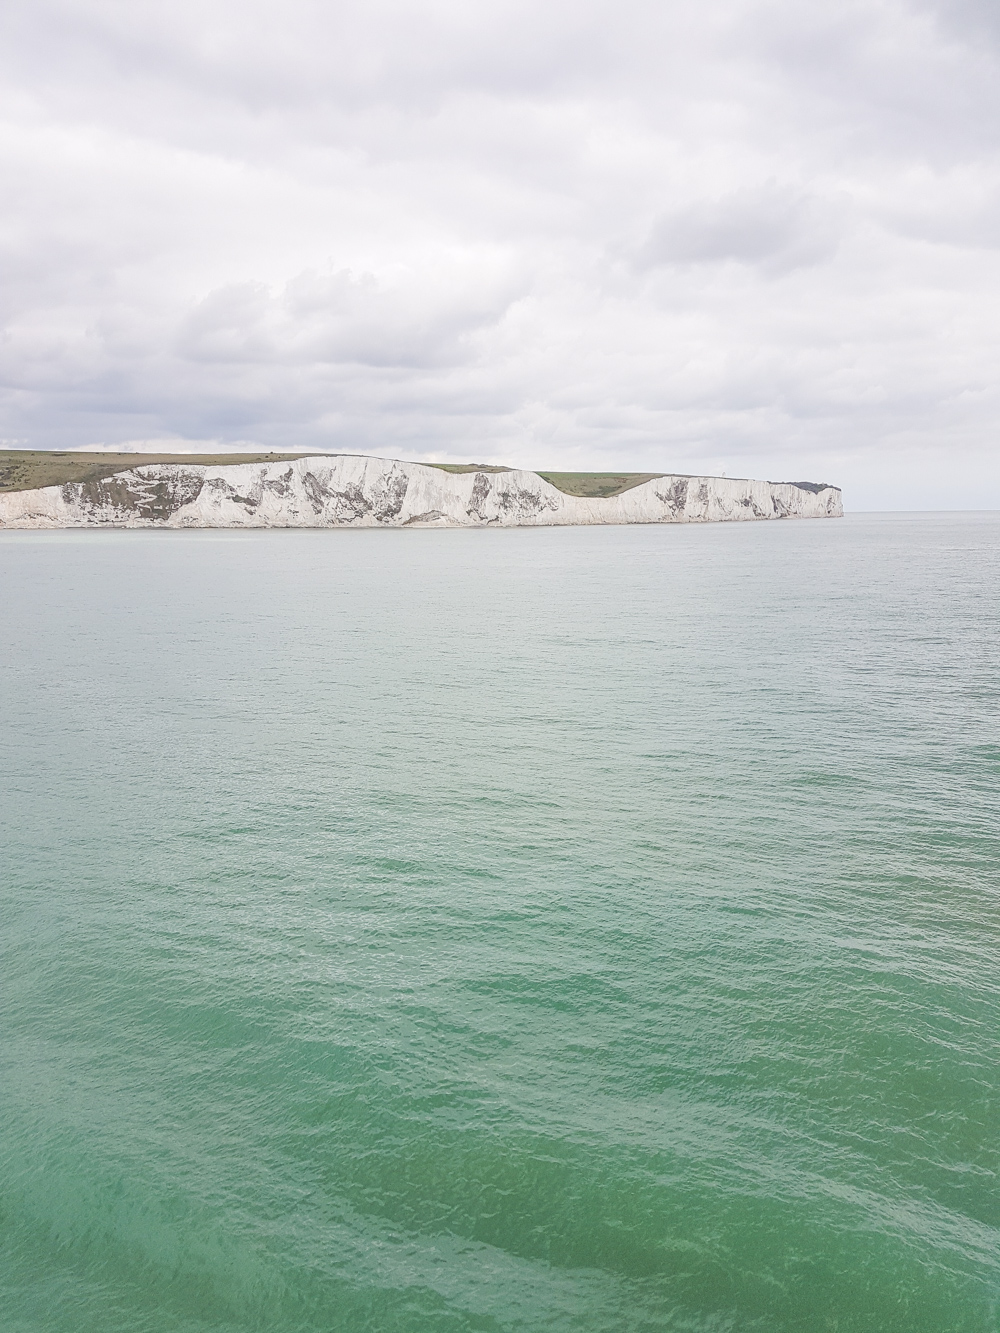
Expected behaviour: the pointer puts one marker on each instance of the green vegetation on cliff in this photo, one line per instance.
(31, 469)
(597, 485)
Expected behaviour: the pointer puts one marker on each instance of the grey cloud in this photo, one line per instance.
(968, 22)
(339, 318)
(964, 212)
(777, 229)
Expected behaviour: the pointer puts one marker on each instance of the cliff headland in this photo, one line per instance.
(40, 489)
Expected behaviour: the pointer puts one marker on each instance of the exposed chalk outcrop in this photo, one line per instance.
(357, 491)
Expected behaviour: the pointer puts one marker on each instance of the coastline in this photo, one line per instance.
(326, 491)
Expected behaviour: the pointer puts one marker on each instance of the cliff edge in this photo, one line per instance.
(330, 491)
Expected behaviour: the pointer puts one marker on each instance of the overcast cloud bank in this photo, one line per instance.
(759, 238)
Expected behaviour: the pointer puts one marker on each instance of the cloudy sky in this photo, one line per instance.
(759, 237)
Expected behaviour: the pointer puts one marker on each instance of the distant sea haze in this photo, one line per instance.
(583, 929)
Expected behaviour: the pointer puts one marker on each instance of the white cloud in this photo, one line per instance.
(754, 235)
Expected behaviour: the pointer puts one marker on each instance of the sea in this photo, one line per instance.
(585, 930)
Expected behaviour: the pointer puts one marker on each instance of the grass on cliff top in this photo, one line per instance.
(597, 485)
(469, 467)
(31, 469)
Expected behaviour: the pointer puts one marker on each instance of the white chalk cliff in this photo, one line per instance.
(361, 492)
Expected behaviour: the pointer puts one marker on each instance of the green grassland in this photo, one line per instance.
(30, 469)
(597, 485)
(469, 467)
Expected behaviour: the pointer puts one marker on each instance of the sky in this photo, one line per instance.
(751, 237)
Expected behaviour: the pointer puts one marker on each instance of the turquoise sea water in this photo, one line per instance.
(424, 932)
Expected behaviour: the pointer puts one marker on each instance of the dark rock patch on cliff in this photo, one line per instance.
(129, 495)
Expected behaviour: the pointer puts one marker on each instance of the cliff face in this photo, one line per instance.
(354, 491)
